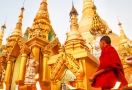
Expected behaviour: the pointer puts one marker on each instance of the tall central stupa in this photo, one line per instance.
(85, 23)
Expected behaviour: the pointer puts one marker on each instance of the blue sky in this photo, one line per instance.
(59, 14)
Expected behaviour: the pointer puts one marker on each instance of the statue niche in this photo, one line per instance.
(30, 69)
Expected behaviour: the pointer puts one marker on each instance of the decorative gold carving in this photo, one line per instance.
(98, 26)
(37, 32)
(3, 71)
(22, 44)
(52, 44)
(4, 52)
(125, 52)
(73, 59)
(41, 26)
(10, 45)
(70, 62)
(87, 18)
(2, 67)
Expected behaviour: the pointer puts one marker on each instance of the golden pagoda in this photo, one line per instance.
(24, 57)
(125, 52)
(69, 60)
(38, 52)
(89, 9)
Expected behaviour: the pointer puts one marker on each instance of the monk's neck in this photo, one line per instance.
(105, 46)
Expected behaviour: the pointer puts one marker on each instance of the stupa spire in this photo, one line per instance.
(18, 29)
(41, 25)
(123, 37)
(74, 32)
(74, 35)
(42, 12)
(87, 16)
(3, 27)
(87, 8)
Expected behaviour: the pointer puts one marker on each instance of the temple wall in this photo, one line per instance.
(91, 67)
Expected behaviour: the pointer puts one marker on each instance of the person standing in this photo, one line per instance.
(110, 69)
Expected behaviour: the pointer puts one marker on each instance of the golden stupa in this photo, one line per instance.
(66, 66)
(86, 21)
(125, 52)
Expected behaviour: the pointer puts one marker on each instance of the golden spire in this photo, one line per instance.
(74, 32)
(97, 27)
(3, 27)
(41, 23)
(87, 16)
(123, 37)
(42, 12)
(18, 30)
(87, 8)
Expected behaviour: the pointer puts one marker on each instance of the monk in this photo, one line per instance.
(110, 69)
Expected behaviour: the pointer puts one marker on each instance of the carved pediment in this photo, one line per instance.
(53, 44)
(63, 62)
(14, 46)
(22, 44)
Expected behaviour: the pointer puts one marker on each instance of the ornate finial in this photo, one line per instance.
(119, 23)
(18, 30)
(23, 3)
(4, 25)
(22, 9)
(74, 32)
(73, 16)
(94, 7)
(97, 27)
(73, 10)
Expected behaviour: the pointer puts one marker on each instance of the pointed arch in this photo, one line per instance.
(63, 63)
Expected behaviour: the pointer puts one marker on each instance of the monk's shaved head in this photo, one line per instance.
(106, 39)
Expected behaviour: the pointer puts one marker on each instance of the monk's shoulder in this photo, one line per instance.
(111, 50)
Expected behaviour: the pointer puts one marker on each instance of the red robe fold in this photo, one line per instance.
(110, 61)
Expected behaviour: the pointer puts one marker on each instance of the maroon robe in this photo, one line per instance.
(110, 62)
